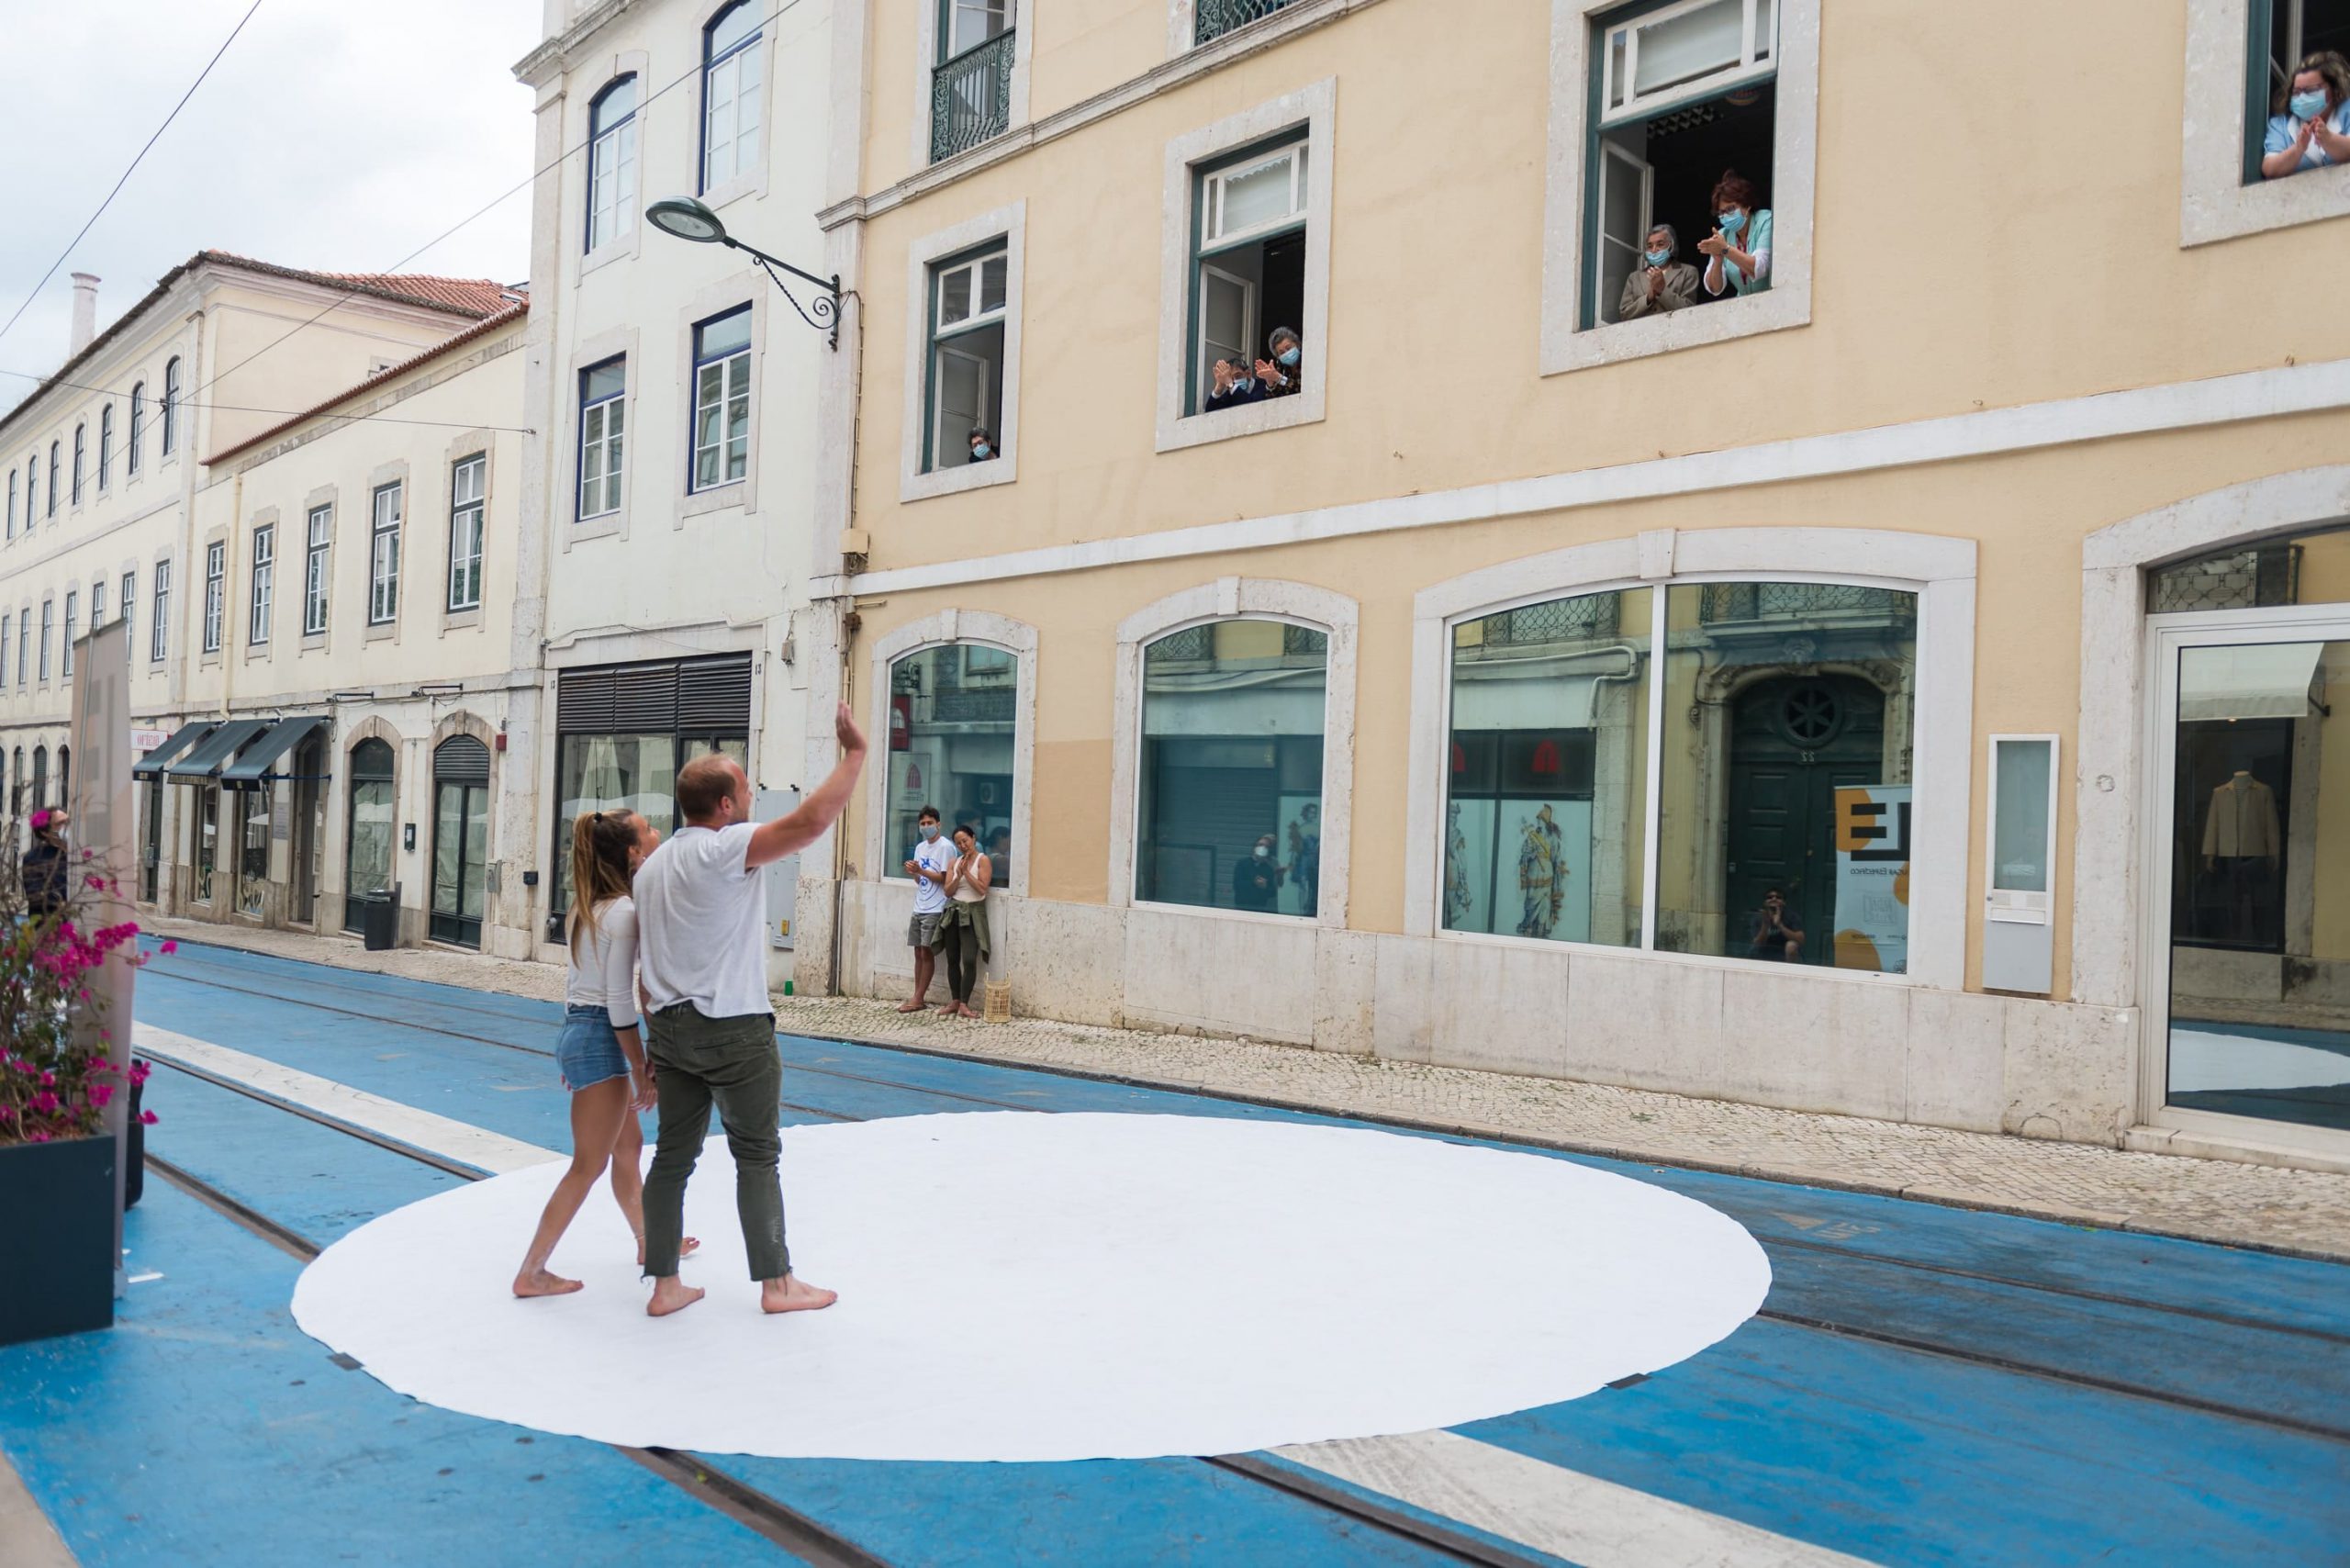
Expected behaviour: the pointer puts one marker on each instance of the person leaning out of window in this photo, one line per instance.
(1738, 253)
(1282, 375)
(982, 445)
(1663, 282)
(2311, 127)
(1231, 385)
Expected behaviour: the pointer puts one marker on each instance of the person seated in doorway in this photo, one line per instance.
(2310, 126)
(1664, 283)
(1738, 253)
(1231, 385)
(1257, 878)
(1282, 375)
(982, 445)
(1778, 931)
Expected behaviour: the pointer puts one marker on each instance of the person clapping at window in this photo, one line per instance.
(1738, 253)
(1232, 384)
(2311, 127)
(1663, 282)
(1283, 375)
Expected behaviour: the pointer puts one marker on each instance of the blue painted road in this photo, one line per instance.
(1925, 1385)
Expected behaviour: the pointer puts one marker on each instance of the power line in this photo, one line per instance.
(134, 164)
(288, 413)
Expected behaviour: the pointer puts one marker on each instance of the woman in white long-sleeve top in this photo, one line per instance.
(602, 1052)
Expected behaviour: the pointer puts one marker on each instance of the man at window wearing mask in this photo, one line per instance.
(927, 866)
(1257, 878)
(1282, 375)
(1231, 385)
(2310, 124)
(982, 445)
(1664, 283)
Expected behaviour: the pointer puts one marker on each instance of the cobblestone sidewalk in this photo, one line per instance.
(2296, 1211)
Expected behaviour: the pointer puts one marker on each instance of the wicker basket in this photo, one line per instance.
(998, 1009)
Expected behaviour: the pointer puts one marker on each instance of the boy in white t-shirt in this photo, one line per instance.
(932, 853)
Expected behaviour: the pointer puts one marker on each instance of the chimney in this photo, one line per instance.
(85, 312)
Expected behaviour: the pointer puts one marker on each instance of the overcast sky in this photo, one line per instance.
(332, 135)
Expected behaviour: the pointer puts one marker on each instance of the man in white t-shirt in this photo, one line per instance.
(701, 958)
(932, 853)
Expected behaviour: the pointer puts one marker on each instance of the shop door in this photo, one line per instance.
(306, 820)
(367, 838)
(1793, 744)
(2249, 834)
(150, 857)
(459, 839)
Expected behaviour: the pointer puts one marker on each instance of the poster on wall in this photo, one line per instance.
(1872, 878)
(1298, 847)
(1468, 866)
(1545, 855)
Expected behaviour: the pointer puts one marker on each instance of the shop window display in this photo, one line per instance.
(952, 718)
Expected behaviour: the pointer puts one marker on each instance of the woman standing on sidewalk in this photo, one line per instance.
(600, 1054)
(963, 929)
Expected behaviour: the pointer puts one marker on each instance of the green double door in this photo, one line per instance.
(1794, 742)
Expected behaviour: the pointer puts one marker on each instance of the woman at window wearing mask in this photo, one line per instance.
(1737, 252)
(1664, 283)
(2311, 127)
(1231, 385)
(1284, 373)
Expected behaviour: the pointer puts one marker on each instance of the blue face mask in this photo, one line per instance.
(1658, 258)
(1288, 356)
(982, 452)
(1242, 383)
(1732, 223)
(2307, 105)
(929, 832)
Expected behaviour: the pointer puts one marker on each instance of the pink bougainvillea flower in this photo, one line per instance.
(169, 946)
(100, 1093)
(146, 1117)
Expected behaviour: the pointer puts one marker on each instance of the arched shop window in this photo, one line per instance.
(1781, 716)
(459, 839)
(952, 719)
(1233, 720)
(367, 846)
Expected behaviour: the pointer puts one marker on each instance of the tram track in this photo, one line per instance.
(772, 1518)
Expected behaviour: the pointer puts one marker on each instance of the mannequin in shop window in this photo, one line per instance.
(2242, 844)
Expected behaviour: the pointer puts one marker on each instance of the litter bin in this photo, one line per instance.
(380, 920)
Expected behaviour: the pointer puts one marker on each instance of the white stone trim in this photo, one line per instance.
(1023, 42)
(2110, 795)
(913, 483)
(1315, 108)
(2182, 404)
(1794, 154)
(950, 626)
(2213, 201)
(1940, 571)
(1227, 599)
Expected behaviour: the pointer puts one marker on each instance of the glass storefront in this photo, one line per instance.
(459, 839)
(951, 722)
(1230, 807)
(367, 848)
(207, 839)
(252, 811)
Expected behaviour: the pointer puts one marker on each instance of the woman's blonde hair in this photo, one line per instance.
(2330, 66)
(600, 843)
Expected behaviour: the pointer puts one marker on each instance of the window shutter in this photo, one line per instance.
(461, 759)
(714, 696)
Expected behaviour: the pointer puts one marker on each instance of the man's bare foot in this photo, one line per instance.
(669, 1296)
(913, 1004)
(538, 1282)
(789, 1294)
(687, 1248)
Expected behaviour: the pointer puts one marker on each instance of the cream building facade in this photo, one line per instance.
(1539, 634)
(673, 387)
(222, 349)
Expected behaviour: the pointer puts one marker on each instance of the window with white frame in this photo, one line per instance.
(603, 418)
(97, 604)
(970, 82)
(1247, 286)
(466, 505)
(315, 568)
(24, 646)
(159, 614)
(105, 446)
(72, 625)
(730, 94)
(216, 588)
(263, 583)
(384, 555)
(964, 395)
(721, 430)
(55, 471)
(612, 164)
(80, 445)
(129, 596)
(138, 427)
(2296, 91)
(12, 510)
(48, 625)
(171, 405)
(1679, 157)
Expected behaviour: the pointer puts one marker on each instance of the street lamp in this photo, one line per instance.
(687, 218)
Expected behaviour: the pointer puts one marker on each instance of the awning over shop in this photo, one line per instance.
(202, 763)
(2268, 681)
(280, 739)
(151, 765)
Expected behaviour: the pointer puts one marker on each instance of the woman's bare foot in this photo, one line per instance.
(789, 1294)
(538, 1282)
(669, 1296)
(687, 1248)
(913, 1004)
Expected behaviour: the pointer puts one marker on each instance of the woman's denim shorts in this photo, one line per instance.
(590, 1052)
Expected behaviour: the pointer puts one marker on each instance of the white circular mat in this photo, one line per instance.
(1022, 1286)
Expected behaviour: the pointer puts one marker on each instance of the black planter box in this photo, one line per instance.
(56, 1238)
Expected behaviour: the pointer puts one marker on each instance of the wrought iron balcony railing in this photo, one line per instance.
(970, 97)
(1796, 601)
(1213, 18)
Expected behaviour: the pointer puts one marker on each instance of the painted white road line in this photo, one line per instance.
(1563, 1512)
(444, 1135)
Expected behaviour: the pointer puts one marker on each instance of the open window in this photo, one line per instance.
(2286, 35)
(968, 307)
(1683, 92)
(1248, 275)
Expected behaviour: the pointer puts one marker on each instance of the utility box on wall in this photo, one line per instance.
(783, 875)
(2019, 929)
